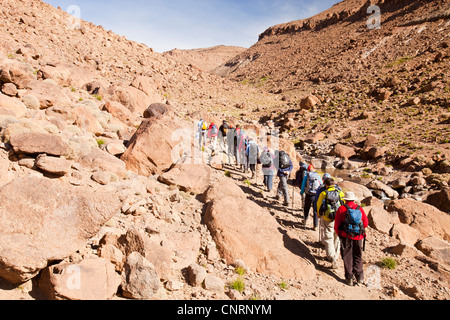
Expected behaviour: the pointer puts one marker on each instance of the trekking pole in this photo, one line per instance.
(293, 197)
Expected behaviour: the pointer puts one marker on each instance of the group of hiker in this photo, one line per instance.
(341, 222)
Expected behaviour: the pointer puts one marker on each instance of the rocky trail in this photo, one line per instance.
(105, 195)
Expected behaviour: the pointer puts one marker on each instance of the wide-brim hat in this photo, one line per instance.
(350, 196)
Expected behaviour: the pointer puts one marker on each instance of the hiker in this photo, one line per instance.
(300, 175)
(236, 139)
(311, 183)
(252, 156)
(285, 167)
(241, 148)
(202, 132)
(213, 132)
(350, 224)
(267, 161)
(223, 130)
(329, 201)
(231, 135)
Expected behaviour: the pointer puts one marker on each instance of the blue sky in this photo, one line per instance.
(167, 24)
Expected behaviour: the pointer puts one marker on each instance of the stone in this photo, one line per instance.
(381, 220)
(90, 279)
(47, 220)
(36, 143)
(378, 185)
(13, 105)
(196, 275)
(428, 220)
(140, 280)
(150, 149)
(193, 178)
(9, 89)
(214, 284)
(435, 248)
(16, 73)
(342, 151)
(53, 165)
(440, 200)
(49, 94)
(309, 102)
(264, 246)
(101, 177)
(155, 110)
(360, 191)
(405, 234)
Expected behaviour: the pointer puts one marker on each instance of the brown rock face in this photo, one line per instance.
(150, 149)
(428, 220)
(44, 220)
(263, 246)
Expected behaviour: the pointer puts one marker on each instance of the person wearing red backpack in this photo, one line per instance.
(350, 224)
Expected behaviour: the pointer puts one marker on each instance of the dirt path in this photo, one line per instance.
(412, 279)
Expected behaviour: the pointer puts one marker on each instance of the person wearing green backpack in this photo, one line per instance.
(328, 203)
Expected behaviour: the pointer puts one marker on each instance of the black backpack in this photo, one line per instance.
(333, 202)
(285, 160)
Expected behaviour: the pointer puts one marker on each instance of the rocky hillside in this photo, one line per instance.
(104, 193)
(394, 78)
(206, 59)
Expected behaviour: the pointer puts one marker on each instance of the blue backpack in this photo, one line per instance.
(353, 224)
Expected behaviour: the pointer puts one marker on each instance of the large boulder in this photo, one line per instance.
(15, 72)
(440, 200)
(435, 248)
(428, 220)
(67, 75)
(15, 106)
(140, 280)
(134, 99)
(360, 191)
(97, 159)
(381, 220)
(45, 220)
(150, 149)
(264, 246)
(193, 178)
(343, 151)
(36, 143)
(48, 93)
(90, 279)
(378, 185)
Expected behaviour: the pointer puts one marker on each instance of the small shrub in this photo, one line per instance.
(240, 271)
(228, 174)
(283, 285)
(389, 263)
(100, 142)
(238, 285)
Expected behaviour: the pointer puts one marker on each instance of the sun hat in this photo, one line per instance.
(326, 176)
(350, 196)
(311, 168)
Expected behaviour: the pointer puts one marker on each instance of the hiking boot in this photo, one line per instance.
(286, 204)
(334, 265)
(360, 283)
(350, 282)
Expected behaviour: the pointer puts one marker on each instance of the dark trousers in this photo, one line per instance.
(309, 203)
(352, 252)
